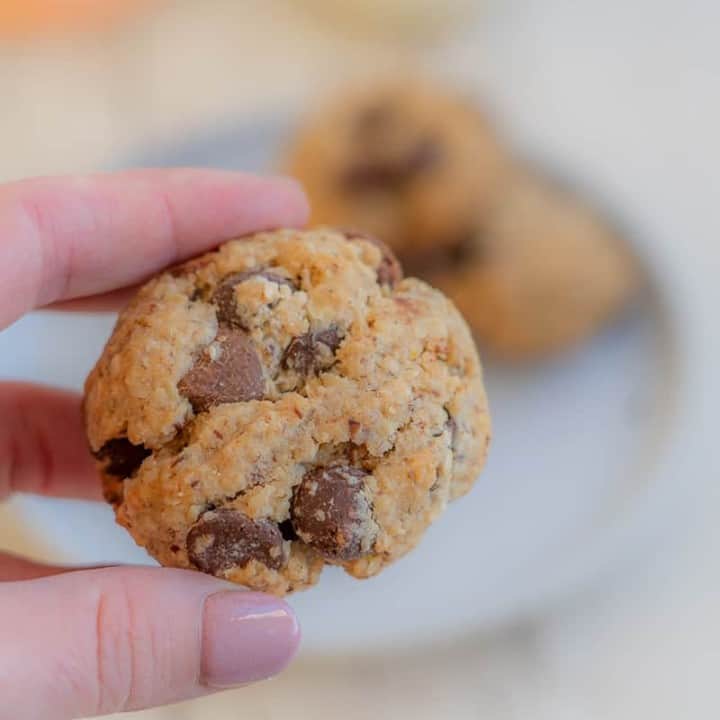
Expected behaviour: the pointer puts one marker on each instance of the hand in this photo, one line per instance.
(88, 642)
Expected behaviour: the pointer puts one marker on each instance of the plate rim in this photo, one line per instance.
(583, 567)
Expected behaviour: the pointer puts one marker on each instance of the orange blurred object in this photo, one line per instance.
(27, 18)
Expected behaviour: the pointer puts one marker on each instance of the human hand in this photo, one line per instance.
(89, 642)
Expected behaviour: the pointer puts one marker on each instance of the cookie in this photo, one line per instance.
(545, 274)
(286, 402)
(402, 160)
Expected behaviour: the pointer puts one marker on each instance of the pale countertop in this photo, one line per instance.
(634, 80)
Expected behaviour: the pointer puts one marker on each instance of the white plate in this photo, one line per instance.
(582, 449)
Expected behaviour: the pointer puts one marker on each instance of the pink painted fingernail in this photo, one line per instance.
(246, 637)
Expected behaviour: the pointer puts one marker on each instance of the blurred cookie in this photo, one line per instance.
(403, 161)
(286, 402)
(545, 274)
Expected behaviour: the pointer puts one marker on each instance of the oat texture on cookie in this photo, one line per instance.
(286, 402)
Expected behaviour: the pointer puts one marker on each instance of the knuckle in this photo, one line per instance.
(122, 645)
(26, 458)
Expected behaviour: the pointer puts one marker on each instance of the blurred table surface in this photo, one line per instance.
(637, 74)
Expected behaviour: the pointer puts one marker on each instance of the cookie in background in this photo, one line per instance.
(404, 160)
(534, 269)
(544, 274)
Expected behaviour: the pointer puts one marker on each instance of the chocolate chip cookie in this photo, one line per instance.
(403, 160)
(544, 274)
(286, 402)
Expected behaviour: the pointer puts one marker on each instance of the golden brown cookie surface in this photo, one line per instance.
(285, 402)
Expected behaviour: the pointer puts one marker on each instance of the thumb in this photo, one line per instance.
(101, 641)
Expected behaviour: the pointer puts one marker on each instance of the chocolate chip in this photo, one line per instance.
(370, 175)
(120, 457)
(448, 253)
(287, 530)
(307, 354)
(228, 370)
(329, 337)
(373, 119)
(331, 512)
(226, 538)
(390, 271)
(224, 295)
(462, 248)
(424, 156)
(392, 173)
(300, 355)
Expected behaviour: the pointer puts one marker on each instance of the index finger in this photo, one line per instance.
(71, 237)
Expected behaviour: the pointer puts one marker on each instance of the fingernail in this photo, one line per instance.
(246, 637)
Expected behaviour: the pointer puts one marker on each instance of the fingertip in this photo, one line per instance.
(272, 201)
(297, 197)
(77, 236)
(247, 637)
(47, 452)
